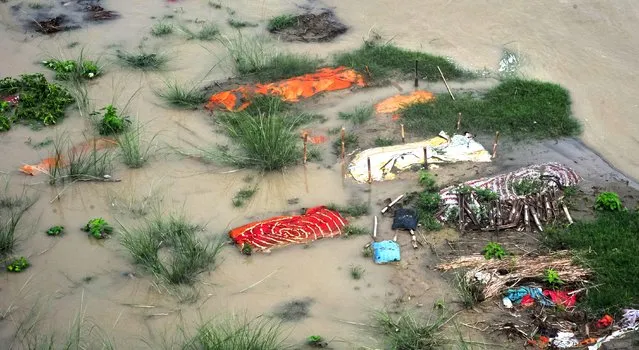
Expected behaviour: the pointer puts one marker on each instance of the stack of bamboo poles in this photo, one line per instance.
(520, 213)
(507, 273)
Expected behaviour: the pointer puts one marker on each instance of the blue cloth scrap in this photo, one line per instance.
(515, 295)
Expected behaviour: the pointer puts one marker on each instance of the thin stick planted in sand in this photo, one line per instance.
(392, 203)
(305, 141)
(403, 135)
(343, 145)
(416, 78)
(495, 144)
(258, 282)
(445, 82)
(375, 228)
(426, 158)
(370, 174)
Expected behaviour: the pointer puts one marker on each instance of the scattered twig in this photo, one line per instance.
(258, 282)
(445, 82)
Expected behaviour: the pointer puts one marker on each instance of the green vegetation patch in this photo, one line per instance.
(36, 101)
(98, 228)
(381, 62)
(162, 29)
(142, 61)
(183, 96)
(609, 246)
(55, 231)
(360, 115)
(522, 109)
(112, 122)
(280, 22)
(230, 334)
(242, 196)
(18, 265)
(66, 69)
(238, 24)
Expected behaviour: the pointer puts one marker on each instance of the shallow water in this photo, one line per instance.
(586, 46)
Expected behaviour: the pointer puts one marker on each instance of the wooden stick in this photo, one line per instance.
(258, 282)
(416, 78)
(536, 218)
(460, 203)
(375, 228)
(343, 144)
(458, 121)
(413, 239)
(392, 203)
(495, 144)
(445, 82)
(567, 213)
(403, 136)
(305, 141)
(526, 217)
(426, 158)
(370, 175)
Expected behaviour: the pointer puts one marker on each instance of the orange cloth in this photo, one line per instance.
(397, 102)
(291, 90)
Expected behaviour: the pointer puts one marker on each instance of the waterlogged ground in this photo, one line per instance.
(586, 46)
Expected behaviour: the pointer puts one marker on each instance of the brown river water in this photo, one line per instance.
(586, 46)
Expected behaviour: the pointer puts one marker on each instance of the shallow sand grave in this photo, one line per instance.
(116, 292)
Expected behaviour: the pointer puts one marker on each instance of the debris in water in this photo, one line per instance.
(62, 16)
(319, 26)
(294, 310)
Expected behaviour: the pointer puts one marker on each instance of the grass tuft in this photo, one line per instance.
(351, 230)
(161, 29)
(185, 96)
(78, 163)
(207, 32)
(608, 245)
(359, 115)
(230, 334)
(242, 196)
(381, 62)
(12, 209)
(134, 150)
(237, 24)
(352, 209)
(168, 248)
(351, 142)
(357, 272)
(281, 22)
(409, 332)
(470, 293)
(522, 109)
(254, 59)
(383, 142)
(143, 61)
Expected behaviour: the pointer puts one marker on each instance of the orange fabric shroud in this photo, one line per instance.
(397, 102)
(316, 223)
(291, 90)
(51, 162)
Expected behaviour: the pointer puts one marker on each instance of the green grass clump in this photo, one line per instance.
(608, 201)
(242, 196)
(353, 209)
(380, 62)
(12, 210)
(55, 231)
(66, 69)
(281, 22)
(357, 272)
(383, 142)
(608, 245)
(112, 122)
(351, 142)
(266, 141)
(470, 292)
(18, 265)
(142, 61)
(237, 24)
(359, 115)
(169, 248)
(254, 59)
(409, 332)
(207, 32)
(522, 109)
(185, 96)
(86, 163)
(231, 334)
(39, 103)
(134, 151)
(98, 228)
(351, 230)
(493, 250)
(551, 276)
(161, 29)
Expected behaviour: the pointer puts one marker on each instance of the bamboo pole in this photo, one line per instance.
(343, 142)
(305, 148)
(370, 176)
(495, 144)
(375, 228)
(392, 203)
(445, 82)
(567, 213)
(403, 134)
(416, 77)
(426, 158)
(458, 121)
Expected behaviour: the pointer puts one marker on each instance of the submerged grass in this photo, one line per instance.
(161, 29)
(12, 209)
(470, 293)
(522, 109)
(352, 209)
(142, 61)
(207, 32)
(185, 96)
(608, 245)
(352, 230)
(360, 115)
(235, 333)
(242, 196)
(238, 24)
(84, 163)
(379, 62)
(134, 150)
(410, 332)
(255, 59)
(168, 247)
(281, 22)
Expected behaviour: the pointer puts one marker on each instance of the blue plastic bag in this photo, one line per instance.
(385, 252)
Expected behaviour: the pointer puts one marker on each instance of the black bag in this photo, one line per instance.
(405, 219)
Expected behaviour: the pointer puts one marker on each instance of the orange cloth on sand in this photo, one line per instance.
(51, 162)
(397, 102)
(291, 90)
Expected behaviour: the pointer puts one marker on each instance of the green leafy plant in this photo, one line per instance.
(551, 276)
(112, 122)
(608, 201)
(493, 250)
(55, 231)
(353, 209)
(247, 249)
(485, 194)
(38, 101)
(18, 265)
(427, 180)
(357, 272)
(65, 69)
(367, 251)
(527, 187)
(316, 341)
(98, 228)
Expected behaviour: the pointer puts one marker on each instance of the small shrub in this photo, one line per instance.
(257, 334)
(55, 231)
(18, 265)
(551, 276)
(98, 228)
(409, 332)
(428, 202)
(367, 251)
(427, 181)
(493, 250)
(281, 22)
(161, 29)
(315, 341)
(134, 151)
(527, 187)
(383, 142)
(112, 122)
(608, 201)
(67, 69)
(247, 249)
(357, 271)
(485, 195)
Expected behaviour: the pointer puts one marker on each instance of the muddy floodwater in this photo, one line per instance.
(589, 47)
